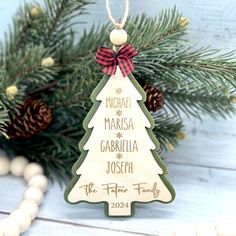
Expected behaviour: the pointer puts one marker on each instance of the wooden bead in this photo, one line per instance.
(23, 218)
(10, 227)
(31, 207)
(39, 181)
(4, 165)
(206, 229)
(35, 194)
(18, 165)
(185, 230)
(226, 228)
(31, 170)
(118, 37)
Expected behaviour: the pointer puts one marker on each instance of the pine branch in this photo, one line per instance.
(202, 65)
(147, 33)
(197, 100)
(205, 65)
(73, 94)
(144, 33)
(166, 129)
(42, 89)
(17, 34)
(51, 28)
(53, 161)
(198, 105)
(60, 15)
(3, 118)
(201, 79)
(6, 102)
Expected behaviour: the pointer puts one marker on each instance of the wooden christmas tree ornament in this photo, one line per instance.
(118, 164)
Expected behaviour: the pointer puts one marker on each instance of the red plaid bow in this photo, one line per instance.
(110, 59)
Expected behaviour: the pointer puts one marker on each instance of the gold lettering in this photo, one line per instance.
(119, 146)
(119, 167)
(118, 102)
(114, 188)
(89, 188)
(141, 189)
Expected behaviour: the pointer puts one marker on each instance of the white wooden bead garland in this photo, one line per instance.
(185, 230)
(226, 227)
(18, 165)
(206, 229)
(222, 228)
(4, 165)
(20, 219)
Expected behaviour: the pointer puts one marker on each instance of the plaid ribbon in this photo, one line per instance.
(110, 59)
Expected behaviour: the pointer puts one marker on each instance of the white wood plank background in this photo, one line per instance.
(202, 169)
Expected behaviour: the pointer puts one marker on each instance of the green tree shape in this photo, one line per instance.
(147, 181)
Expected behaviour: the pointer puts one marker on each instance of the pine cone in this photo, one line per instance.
(155, 99)
(34, 117)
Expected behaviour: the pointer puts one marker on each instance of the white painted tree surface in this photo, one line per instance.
(202, 170)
